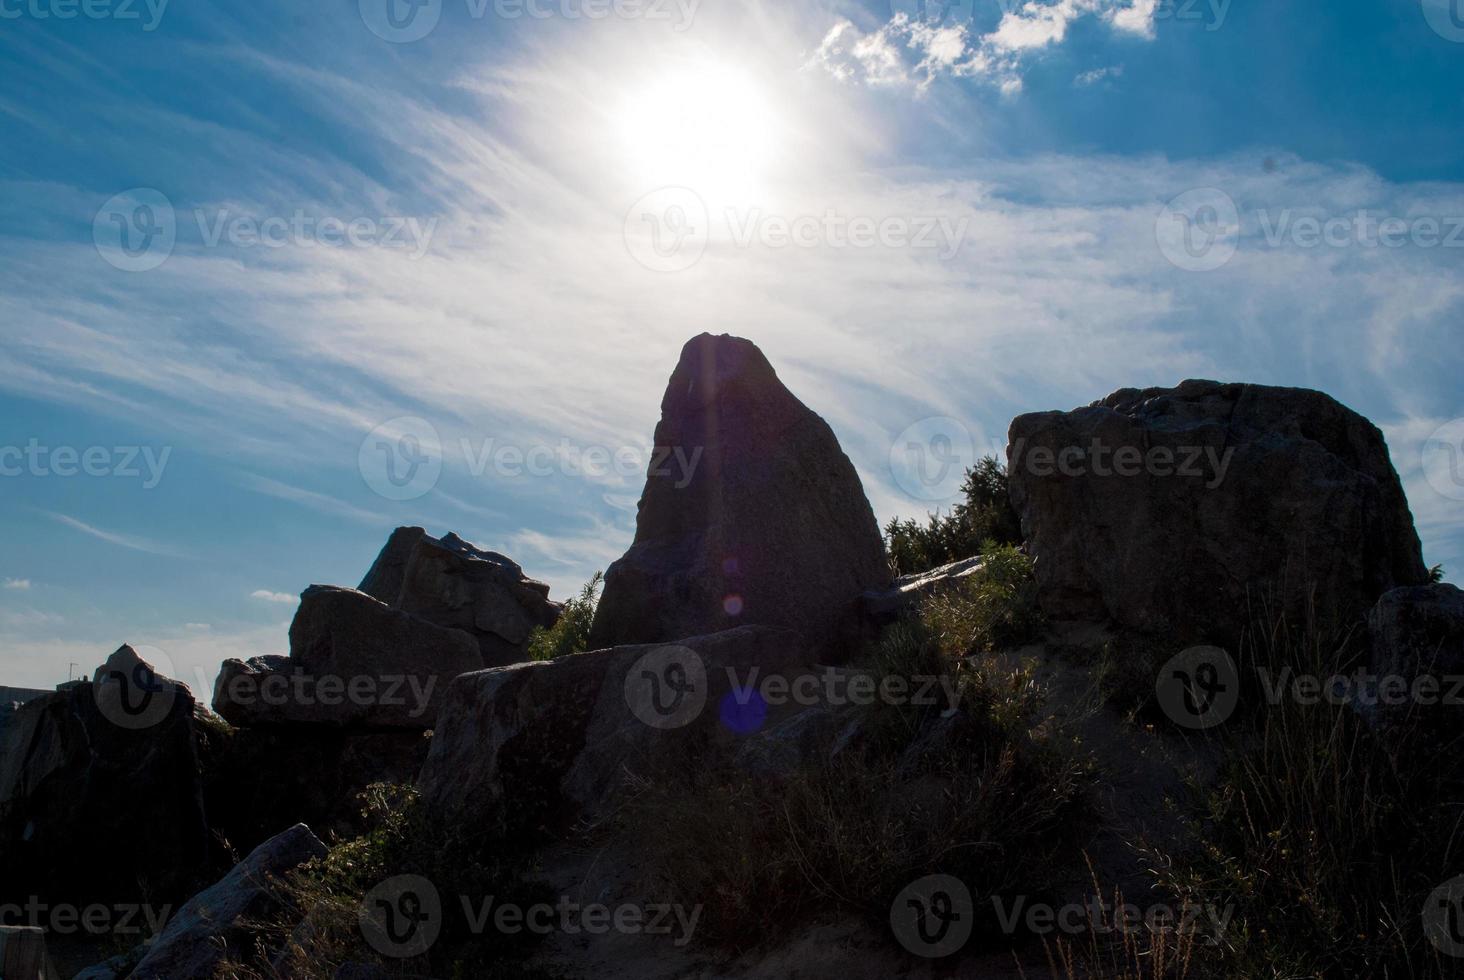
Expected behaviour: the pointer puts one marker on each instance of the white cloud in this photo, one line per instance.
(917, 52)
(1097, 75)
(268, 596)
(18, 584)
(133, 542)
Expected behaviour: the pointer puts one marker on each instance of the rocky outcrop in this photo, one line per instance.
(537, 743)
(220, 924)
(451, 583)
(383, 581)
(1178, 511)
(751, 514)
(354, 662)
(100, 791)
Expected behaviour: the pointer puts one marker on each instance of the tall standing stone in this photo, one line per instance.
(751, 514)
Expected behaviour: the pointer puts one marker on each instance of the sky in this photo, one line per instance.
(278, 277)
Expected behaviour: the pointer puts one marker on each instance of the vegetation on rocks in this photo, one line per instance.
(571, 633)
(984, 518)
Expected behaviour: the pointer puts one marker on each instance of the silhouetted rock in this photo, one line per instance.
(264, 780)
(100, 791)
(451, 583)
(751, 514)
(1417, 634)
(536, 743)
(221, 923)
(384, 581)
(1167, 511)
(354, 662)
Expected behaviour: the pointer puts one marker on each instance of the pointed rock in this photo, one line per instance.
(751, 514)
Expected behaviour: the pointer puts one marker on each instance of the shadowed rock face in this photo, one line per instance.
(751, 514)
(1417, 632)
(534, 744)
(1166, 510)
(100, 790)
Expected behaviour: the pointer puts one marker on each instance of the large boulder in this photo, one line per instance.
(751, 514)
(354, 662)
(449, 582)
(223, 923)
(538, 743)
(1183, 511)
(100, 791)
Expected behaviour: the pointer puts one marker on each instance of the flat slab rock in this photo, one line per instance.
(546, 741)
(1173, 511)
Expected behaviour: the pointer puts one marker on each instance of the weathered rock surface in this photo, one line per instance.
(354, 662)
(751, 514)
(1167, 510)
(1418, 632)
(536, 743)
(100, 791)
(451, 583)
(220, 924)
(384, 580)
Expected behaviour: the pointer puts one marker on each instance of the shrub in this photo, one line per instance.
(989, 609)
(571, 634)
(985, 515)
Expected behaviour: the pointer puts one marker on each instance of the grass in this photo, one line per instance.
(1324, 834)
(984, 793)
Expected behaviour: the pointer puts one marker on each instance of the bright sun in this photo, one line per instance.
(709, 128)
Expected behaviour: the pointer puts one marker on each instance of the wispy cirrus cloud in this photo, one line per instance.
(130, 541)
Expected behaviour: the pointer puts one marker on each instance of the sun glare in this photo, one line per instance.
(709, 128)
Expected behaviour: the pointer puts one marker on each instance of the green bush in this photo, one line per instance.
(571, 634)
(989, 609)
(985, 515)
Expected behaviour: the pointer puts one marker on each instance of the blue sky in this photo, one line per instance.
(462, 250)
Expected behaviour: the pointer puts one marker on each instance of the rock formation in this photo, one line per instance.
(1178, 512)
(539, 742)
(751, 514)
(1417, 633)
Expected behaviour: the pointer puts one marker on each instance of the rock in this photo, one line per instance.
(384, 581)
(1176, 512)
(814, 736)
(100, 791)
(1414, 633)
(751, 514)
(23, 954)
(221, 923)
(537, 743)
(884, 606)
(354, 662)
(267, 779)
(451, 583)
